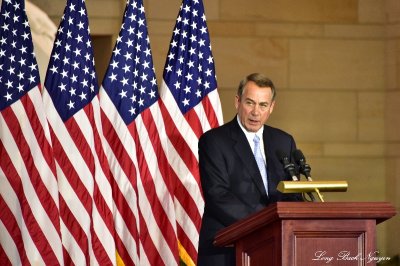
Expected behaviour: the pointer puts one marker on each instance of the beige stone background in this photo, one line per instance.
(336, 64)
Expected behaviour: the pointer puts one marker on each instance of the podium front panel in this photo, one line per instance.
(332, 242)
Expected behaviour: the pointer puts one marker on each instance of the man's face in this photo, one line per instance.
(254, 106)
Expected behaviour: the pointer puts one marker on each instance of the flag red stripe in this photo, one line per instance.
(148, 245)
(98, 199)
(210, 112)
(34, 229)
(156, 207)
(179, 143)
(98, 249)
(70, 221)
(123, 251)
(129, 169)
(71, 175)
(154, 137)
(187, 202)
(75, 229)
(38, 130)
(81, 144)
(119, 150)
(127, 165)
(120, 200)
(41, 190)
(4, 261)
(165, 169)
(181, 193)
(187, 156)
(9, 221)
(193, 120)
(67, 257)
(187, 243)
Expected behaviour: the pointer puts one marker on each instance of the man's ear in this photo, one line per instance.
(237, 101)
(272, 107)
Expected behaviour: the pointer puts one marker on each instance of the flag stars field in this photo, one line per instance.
(15, 75)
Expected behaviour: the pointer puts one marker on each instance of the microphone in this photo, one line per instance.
(287, 165)
(305, 168)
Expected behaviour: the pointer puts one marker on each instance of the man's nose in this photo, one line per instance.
(256, 109)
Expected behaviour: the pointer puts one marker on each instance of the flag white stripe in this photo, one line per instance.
(102, 182)
(103, 234)
(122, 132)
(181, 124)
(47, 177)
(153, 230)
(144, 205)
(179, 166)
(36, 98)
(71, 245)
(151, 159)
(100, 179)
(161, 191)
(188, 227)
(79, 212)
(67, 143)
(186, 177)
(40, 214)
(10, 249)
(216, 105)
(144, 260)
(213, 97)
(199, 109)
(120, 177)
(93, 258)
(46, 174)
(127, 141)
(72, 201)
(13, 203)
(126, 237)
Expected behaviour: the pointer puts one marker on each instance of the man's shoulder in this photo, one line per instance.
(276, 130)
(273, 131)
(221, 131)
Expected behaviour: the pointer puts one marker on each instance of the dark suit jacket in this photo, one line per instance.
(232, 184)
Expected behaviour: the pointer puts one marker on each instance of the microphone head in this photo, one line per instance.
(287, 165)
(282, 156)
(301, 161)
(299, 156)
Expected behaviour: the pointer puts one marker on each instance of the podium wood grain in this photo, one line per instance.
(307, 233)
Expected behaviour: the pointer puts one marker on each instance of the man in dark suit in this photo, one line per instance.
(234, 185)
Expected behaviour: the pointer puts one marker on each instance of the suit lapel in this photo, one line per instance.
(244, 152)
(269, 149)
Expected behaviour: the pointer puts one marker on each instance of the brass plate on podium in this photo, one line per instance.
(312, 186)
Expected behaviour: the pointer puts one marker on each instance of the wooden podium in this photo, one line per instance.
(308, 233)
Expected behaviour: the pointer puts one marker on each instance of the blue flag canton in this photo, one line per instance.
(130, 79)
(189, 70)
(18, 67)
(71, 78)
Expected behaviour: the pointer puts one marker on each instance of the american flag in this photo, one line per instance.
(190, 106)
(29, 216)
(73, 111)
(135, 135)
